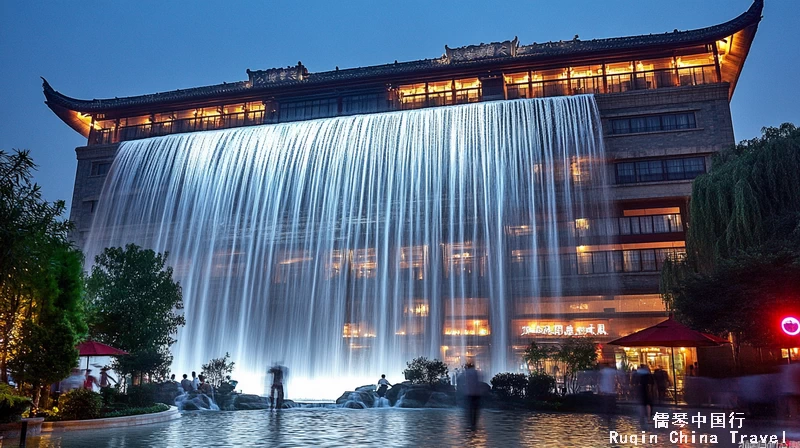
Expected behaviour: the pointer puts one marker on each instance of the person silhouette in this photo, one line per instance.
(276, 390)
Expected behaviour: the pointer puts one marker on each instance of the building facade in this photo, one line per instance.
(664, 102)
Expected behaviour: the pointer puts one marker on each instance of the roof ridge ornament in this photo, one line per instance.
(263, 78)
(491, 50)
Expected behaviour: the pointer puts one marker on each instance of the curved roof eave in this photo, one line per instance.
(524, 53)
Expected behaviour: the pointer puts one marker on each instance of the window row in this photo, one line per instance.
(653, 123)
(600, 262)
(660, 170)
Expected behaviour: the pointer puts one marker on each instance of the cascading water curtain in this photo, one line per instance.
(344, 247)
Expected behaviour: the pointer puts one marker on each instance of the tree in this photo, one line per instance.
(743, 243)
(576, 354)
(44, 354)
(134, 304)
(44, 351)
(32, 234)
(425, 371)
(535, 355)
(216, 369)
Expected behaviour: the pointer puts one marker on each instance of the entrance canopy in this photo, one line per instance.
(669, 333)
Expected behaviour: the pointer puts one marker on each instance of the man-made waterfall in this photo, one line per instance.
(344, 247)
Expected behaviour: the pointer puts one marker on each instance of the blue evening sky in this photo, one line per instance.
(92, 49)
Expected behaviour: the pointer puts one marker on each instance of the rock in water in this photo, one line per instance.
(354, 405)
(395, 392)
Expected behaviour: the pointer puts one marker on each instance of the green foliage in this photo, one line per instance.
(744, 295)
(149, 393)
(134, 304)
(44, 354)
(79, 404)
(536, 354)
(111, 395)
(40, 274)
(160, 407)
(143, 394)
(576, 354)
(540, 385)
(750, 196)
(216, 370)
(743, 244)
(510, 384)
(426, 371)
(12, 405)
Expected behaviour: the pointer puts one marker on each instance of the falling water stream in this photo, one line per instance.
(344, 247)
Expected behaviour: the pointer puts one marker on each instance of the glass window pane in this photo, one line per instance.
(653, 123)
(693, 167)
(669, 122)
(661, 224)
(648, 260)
(625, 226)
(631, 261)
(675, 223)
(638, 124)
(674, 169)
(626, 173)
(621, 126)
(636, 228)
(647, 224)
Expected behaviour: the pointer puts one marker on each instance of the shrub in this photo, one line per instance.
(143, 394)
(80, 404)
(160, 407)
(12, 405)
(576, 355)
(426, 371)
(217, 368)
(510, 384)
(539, 386)
(110, 395)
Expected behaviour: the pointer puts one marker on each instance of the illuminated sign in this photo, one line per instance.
(562, 330)
(791, 326)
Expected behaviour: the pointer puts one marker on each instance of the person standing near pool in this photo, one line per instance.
(276, 391)
(383, 386)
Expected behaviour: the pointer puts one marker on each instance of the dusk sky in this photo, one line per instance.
(105, 49)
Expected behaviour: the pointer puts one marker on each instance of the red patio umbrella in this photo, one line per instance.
(669, 333)
(94, 348)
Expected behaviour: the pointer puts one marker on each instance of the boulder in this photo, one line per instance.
(354, 405)
(441, 400)
(367, 388)
(394, 393)
(415, 397)
(367, 397)
(248, 402)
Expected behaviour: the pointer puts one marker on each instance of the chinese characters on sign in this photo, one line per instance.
(684, 424)
(562, 330)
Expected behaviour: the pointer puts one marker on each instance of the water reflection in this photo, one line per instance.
(383, 428)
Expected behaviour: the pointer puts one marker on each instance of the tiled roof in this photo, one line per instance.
(464, 57)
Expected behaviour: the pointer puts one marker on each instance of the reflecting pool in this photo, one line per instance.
(385, 428)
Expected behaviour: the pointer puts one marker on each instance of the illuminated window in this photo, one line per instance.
(467, 327)
(464, 259)
(414, 258)
(419, 309)
(290, 266)
(357, 330)
(364, 263)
